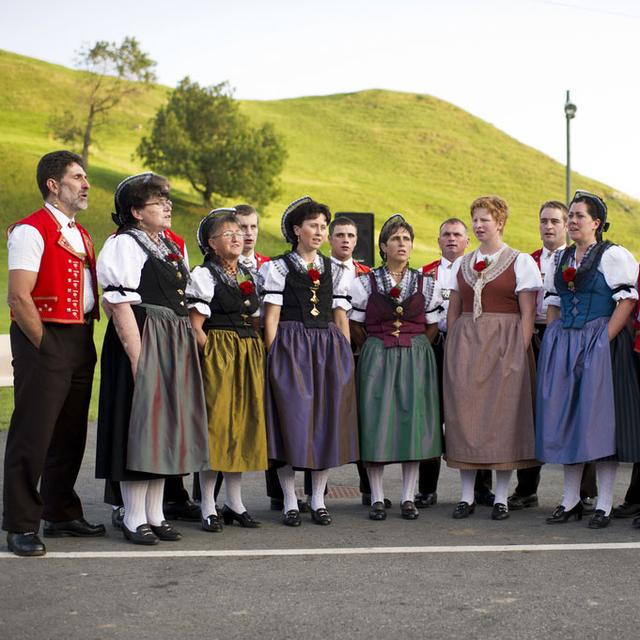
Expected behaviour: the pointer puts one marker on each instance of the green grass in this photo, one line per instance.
(378, 151)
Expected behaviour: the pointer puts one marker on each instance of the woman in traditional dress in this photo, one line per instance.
(224, 309)
(397, 379)
(488, 408)
(587, 405)
(152, 413)
(311, 404)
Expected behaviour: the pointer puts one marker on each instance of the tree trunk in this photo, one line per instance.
(86, 141)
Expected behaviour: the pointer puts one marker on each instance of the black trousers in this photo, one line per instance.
(633, 492)
(47, 435)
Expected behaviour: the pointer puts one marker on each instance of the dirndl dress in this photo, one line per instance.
(488, 373)
(233, 368)
(588, 400)
(311, 402)
(397, 378)
(155, 426)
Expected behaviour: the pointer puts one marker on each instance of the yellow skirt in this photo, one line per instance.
(233, 371)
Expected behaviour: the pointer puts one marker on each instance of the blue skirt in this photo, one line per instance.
(587, 401)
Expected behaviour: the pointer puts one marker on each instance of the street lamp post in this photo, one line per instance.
(570, 113)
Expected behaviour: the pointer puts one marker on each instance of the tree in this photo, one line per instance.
(201, 135)
(113, 72)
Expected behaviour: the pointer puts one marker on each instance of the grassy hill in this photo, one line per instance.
(374, 150)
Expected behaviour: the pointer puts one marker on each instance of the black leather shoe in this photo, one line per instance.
(599, 520)
(165, 531)
(499, 511)
(117, 516)
(588, 505)
(377, 511)
(516, 502)
(187, 510)
(484, 499)
(635, 523)
(366, 501)
(463, 510)
(321, 516)
(25, 544)
(79, 528)
(560, 515)
(291, 518)
(142, 535)
(212, 524)
(424, 500)
(408, 510)
(243, 519)
(626, 510)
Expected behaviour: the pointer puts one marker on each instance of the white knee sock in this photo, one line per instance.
(409, 479)
(318, 485)
(467, 480)
(606, 477)
(134, 494)
(155, 514)
(572, 479)
(207, 487)
(375, 473)
(502, 486)
(287, 477)
(233, 491)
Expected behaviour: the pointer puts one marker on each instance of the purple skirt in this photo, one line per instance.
(575, 408)
(311, 401)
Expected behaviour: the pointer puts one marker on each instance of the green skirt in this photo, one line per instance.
(233, 371)
(399, 412)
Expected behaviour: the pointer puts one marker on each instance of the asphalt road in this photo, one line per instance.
(432, 578)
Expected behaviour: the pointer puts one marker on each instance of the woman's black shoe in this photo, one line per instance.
(377, 511)
(212, 524)
(499, 511)
(321, 516)
(408, 510)
(599, 520)
(243, 519)
(291, 518)
(463, 510)
(561, 515)
(142, 535)
(165, 531)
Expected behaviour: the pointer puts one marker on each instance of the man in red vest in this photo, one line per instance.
(53, 298)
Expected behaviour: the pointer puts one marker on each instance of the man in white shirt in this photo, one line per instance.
(249, 221)
(52, 296)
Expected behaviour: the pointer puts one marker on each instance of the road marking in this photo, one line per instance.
(337, 551)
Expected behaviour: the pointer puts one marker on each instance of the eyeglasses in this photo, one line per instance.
(229, 235)
(163, 202)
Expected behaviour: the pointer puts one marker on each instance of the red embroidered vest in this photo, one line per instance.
(58, 294)
(431, 269)
(361, 268)
(260, 259)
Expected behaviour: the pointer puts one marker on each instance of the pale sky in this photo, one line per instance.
(509, 62)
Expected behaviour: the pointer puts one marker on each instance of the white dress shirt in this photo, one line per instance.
(547, 264)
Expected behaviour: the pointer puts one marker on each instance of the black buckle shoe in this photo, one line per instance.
(244, 519)
(560, 515)
(463, 510)
(321, 516)
(212, 524)
(377, 511)
(291, 518)
(599, 520)
(187, 510)
(408, 510)
(499, 511)
(142, 535)
(25, 544)
(165, 531)
(626, 510)
(78, 528)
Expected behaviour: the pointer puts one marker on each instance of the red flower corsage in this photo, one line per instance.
(395, 292)
(481, 266)
(569, 275)
(247, 287)
(314, 274)
(174, 257)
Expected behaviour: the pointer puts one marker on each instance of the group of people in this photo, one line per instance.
(308, 362)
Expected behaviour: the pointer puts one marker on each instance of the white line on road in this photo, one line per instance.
(346, 551)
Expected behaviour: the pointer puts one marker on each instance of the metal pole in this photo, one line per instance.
(568, 177)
